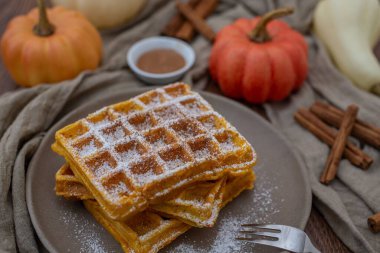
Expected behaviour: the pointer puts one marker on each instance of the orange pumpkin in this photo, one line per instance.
(259, 59)
(49, 46)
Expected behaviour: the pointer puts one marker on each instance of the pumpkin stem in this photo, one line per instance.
(260, 33)
(44, 27)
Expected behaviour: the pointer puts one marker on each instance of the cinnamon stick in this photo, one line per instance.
(367, 133)
(178, 20)
(374, 223)
(327, 135)
(203, 9)
(340, 141)
(197, 21)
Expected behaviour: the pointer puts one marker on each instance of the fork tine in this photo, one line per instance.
(266, 235)
(244, 239)
(289, 238)
(258, 233)
(263, 235)
(252, 225)
(259, 237)
(262, 242)
(269, 228)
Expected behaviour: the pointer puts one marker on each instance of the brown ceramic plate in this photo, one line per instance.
(282, 193)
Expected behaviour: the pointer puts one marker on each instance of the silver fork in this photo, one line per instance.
(279, 236)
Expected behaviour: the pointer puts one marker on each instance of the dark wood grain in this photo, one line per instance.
(8, 10)
(319, 231)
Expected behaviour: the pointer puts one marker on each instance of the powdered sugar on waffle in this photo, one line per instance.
(114, 136)
(175, 163)
(129, 155)
(201, 153)
(103, 169)
(159, 143)
(200, 204)
(154, 101)
(101, 123)
(87, 149)
(228, 145)
(191, 104)
(119, 188)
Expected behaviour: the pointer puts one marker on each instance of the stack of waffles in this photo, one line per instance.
(150, 168)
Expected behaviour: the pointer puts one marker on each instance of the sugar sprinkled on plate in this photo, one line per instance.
(224, 242)
(85, 232)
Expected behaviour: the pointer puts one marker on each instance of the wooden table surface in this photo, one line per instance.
(318, 230)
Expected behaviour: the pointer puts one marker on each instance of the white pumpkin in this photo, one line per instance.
(349, 29)
(105, 13)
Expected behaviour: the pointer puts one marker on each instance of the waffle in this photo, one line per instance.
(237, 183)
(146, 232)
(197, 205)
(188, 208)
(69, 186)
(149, 231)
(134, 154)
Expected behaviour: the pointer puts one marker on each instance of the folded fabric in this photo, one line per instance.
(27, 113)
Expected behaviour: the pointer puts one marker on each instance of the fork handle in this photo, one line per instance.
(309, 247)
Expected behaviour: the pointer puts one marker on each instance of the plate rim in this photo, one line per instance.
(31, 167)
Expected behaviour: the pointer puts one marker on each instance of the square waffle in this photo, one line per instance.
(198, 205)
(134, 153)
(146, 232)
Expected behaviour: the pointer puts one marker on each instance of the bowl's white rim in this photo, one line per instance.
(138, 71)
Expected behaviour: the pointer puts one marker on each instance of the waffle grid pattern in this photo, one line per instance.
(161, 135)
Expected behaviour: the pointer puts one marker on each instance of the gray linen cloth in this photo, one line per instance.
(26, 114)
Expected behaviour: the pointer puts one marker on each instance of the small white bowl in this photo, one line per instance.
(160, 42)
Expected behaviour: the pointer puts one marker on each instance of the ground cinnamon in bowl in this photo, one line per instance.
(160, 61)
